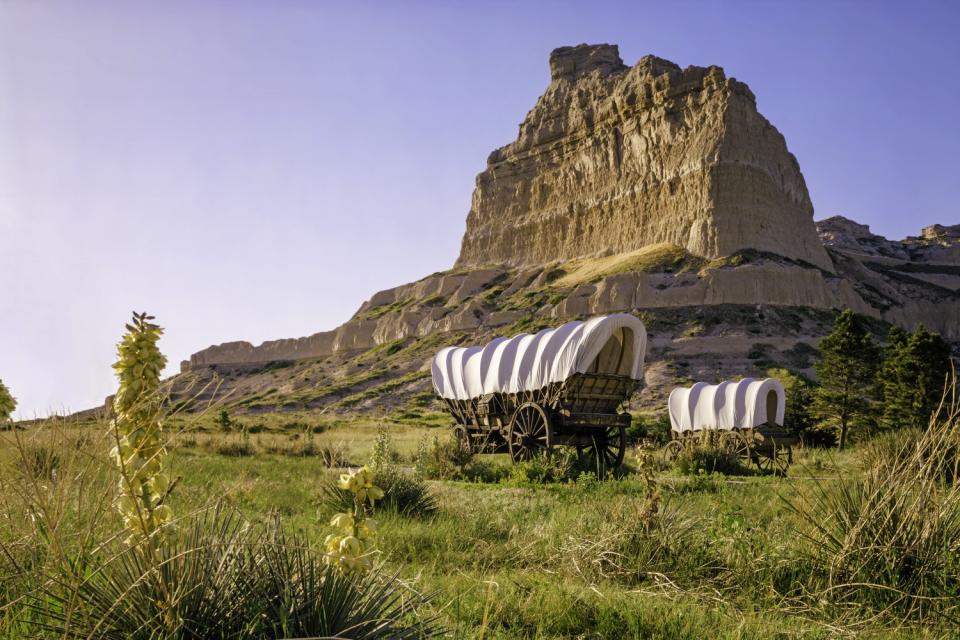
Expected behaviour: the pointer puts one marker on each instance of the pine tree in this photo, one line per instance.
(890, 377)
(915, 373)
(846, 371)
(797, 416)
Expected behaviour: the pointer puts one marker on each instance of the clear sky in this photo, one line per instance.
(256, 170)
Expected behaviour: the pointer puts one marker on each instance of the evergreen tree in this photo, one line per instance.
(7, 403)
(916, 370)
(889, 378)
(846, 371)
(797, 416)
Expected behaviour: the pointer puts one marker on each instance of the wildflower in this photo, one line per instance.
(139, 452)
(352, 547)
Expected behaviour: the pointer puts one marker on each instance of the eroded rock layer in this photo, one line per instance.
(615, 158)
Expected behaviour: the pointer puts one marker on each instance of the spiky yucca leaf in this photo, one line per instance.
(225, 579)
(891, 538)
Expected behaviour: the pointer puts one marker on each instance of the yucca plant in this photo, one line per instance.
(229, 579)
(890, 540)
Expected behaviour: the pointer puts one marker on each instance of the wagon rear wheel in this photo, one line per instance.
(776, 461)
(672, 450)
(606, 449)
(530, 432)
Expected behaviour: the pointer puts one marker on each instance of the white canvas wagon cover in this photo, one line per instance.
(744, 404)
(613, 344)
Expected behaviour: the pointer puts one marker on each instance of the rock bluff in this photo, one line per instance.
(614, 158)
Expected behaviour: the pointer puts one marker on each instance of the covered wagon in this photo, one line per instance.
(530, 393)
(746, 416)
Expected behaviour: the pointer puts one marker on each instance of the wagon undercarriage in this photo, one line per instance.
(582, 412)
(770, 447)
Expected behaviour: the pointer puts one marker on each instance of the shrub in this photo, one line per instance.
(235, 448)
(448, 459)
(705, 456)
(7, 403)
(223, 420)
(890, 539)
(403, 494)
(561, 466)
(40, 462)
(655, 430)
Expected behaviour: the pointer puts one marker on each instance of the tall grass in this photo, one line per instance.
(889, 539)
(68, 571)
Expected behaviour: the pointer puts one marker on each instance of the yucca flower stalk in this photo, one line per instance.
(7, 403)
(139, 453)
(353, 546)
(646, 470)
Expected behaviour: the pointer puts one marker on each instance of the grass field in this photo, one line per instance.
(725, 556)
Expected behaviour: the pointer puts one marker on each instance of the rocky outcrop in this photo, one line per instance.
(935, 244)
(612, 159)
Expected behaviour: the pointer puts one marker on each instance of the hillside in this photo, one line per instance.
(647, 189)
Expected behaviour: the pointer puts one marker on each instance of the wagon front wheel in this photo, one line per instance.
(777, 461)
(530, 432)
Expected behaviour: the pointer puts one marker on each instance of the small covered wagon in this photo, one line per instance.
(746, 418)
(530, 393)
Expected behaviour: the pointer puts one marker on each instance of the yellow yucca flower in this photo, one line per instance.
(354, 548)
(343, 521)
(139, 452)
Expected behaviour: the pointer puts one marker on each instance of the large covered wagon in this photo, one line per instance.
(530, 393)
(745, 416)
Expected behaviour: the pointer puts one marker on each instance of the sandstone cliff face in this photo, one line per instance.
(612, 159)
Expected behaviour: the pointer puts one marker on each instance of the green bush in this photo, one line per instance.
(705, 457)
(645, 428)
(448, 459)
(561, 466)
(403, 494)
(235, 448)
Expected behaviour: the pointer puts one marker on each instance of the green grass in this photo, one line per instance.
(725, 557)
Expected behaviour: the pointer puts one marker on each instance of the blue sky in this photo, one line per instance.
(255, 170)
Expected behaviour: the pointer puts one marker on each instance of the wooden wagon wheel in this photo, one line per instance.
(735, 444)
(607, 449)
(672, 450)
(776, 461)
(530, 432)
